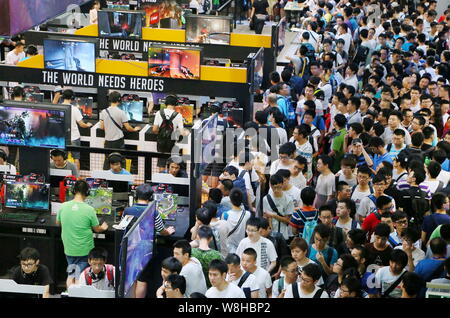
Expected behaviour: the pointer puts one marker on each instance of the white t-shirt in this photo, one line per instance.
(232, 217)
(282, 134)
(265, 251)
(194, 4)
(177, 121)
(433, 185)
(347, 37)
(76, 117)
(277, 165)
(444, 176)
(358, 196)
(102, 284)
(324, 188)
(251, 283)
(93, 16)
(306, 151)
(353, 81)
(299, 181)
(367, 206)
(195, 279)
(231, 291)
(294, 194)
(13, 59)
(384, 279)
(285, 207)
(346, 226)
(112, 132)
(264, 281)
(289, 293)
(351, 182)
(417, 255)
(276, 287)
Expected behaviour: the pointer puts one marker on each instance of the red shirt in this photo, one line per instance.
(370, 223)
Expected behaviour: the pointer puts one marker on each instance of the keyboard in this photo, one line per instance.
(19, 217)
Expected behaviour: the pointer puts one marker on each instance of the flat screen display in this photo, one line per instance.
(85, 104)
(210, 30)
(140, 246)
(99, 198)
(133, 109)
(120, 24)
(174, 62)
(118, 5)
(166, 205)
(32, 127)
(164, 13)
(69, 55)
(34, 97)
(187, 111)
(21, 195)
(259, 70)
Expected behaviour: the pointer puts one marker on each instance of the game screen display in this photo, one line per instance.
(259, 70)
(119, 55)
(140, 246)
(27, 196)
(100, 197)
(166, 205)
(69, 55)
(32, 127)
(234, 116)
(209, 136)
(34, 97)
(118, 5)
(174, 62)
(187, 111)
(85, 105)
(133, 107)
(208, 29)
(120, 24)
(164, 14)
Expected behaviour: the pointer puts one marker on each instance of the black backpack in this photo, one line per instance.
(164, 140)
(361, 54)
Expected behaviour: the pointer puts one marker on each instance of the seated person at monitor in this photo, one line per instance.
(144, 194)
(59, 161)
(6, 167)
(30, 272)
(176, 167)
(116, 163)
(98, 274)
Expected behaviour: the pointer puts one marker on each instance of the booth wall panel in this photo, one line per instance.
(223, 74)
(250, 40)
(90, 30)
(118, 67)
(36, 61)
(166, 35)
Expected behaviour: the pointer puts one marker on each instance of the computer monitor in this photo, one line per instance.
(99, 198)
(208, 29)
(34, 125)
(133, 109)
(30, 196)
(120, 24)
(174, 62)
(58, 175)
(34, 97)
(69, 55)
(166, 205)
(85, 104)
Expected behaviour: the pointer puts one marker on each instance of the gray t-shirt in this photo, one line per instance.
(112, 132)
(69, 166)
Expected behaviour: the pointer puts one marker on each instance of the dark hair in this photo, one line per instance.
(171, 100)
(233, 259)
(411, 233)
(205, 232)
(286, 261)
(434, 169)
(437, 201)
(376, 142)
(177, 282)
(276, 179)
(18, 91)
(438, 246)
(299, 242)
(197, 295)
(68, 94)
(287, 148)
(312, 270)
(232, 170)
(203, 215)
(114, 97)
(303, 130)
(383, 230)
(323, 230)
(251, 252)
(227, 184)
(398, 215)
(172, 264)
(81, 187)
(215, 195)
(254, 221)
(412, 283)
(357, 127)
(284, 173)
(308, 195)
(358, 236)
(98, 253)
(399, 132)
(348, 262)
(399, 256)
(445, 232)
(382, 201)
(144, 192)
(348, 203)
(353, 285)
(364, 169)
(340, 120)
(236, 196)
(326, 160)
(29, 253)
(419, 174)
(184, 245)
(218, 265)
(378, 178)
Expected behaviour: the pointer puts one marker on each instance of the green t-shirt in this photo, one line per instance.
(338, 147)
(205, 257)
(436, 233)
(77, 220)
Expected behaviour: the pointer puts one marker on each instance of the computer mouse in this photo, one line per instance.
(42, 221)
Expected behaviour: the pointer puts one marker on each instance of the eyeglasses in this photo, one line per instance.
(404, 222)
(340, 265)
(308, 281)
(251, 230)
(283, 157)
(28, 264)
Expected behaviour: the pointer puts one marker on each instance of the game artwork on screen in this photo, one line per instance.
(174, 62)
(69, 55)
(120, 24)
(27, 196)
(201, 29)
(32, 127)
(166, 14)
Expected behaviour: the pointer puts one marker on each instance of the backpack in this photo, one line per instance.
(353, 226)
(309, 225)
(311, 140)
(304, 69)
(361, 54)
(311, 53)
(370, 189)
(164, 141)
(254, 184)
(419, 206)
(296, 294)
(206, 5)
(291, 118)
(109, 275)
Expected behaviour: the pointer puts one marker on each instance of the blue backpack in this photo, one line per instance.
(291, 117)
(310, 225)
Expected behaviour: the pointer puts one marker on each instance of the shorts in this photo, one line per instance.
(76, 154)
(76, 265)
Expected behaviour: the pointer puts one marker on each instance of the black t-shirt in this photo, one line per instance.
(380, 258)
(41, 277)
(260, 6)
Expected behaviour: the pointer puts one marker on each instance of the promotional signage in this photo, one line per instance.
(137, 46)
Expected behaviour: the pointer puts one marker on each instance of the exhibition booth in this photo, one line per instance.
(130, 52)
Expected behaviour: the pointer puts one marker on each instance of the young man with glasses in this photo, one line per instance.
(175, 286)
(400, 220)
(289, 276)
(337, 235)
(265, 250)
(307, 288)
(363, 189)
(31, 272)
(303, 146)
